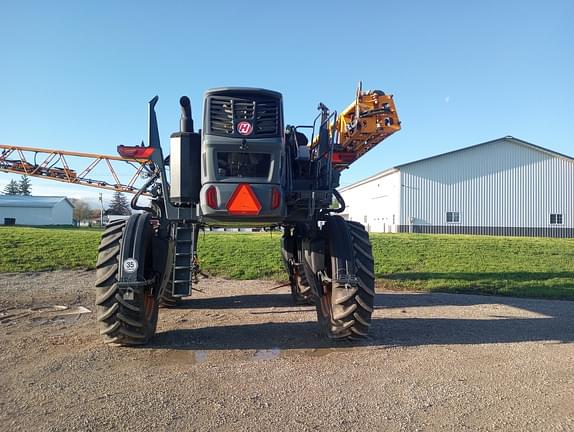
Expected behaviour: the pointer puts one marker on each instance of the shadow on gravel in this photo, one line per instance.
(557, 325)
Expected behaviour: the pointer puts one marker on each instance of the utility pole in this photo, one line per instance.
(101, 211)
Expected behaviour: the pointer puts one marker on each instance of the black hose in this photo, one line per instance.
(134, 201)
(341, 202)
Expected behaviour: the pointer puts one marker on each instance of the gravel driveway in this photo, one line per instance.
(240, 357)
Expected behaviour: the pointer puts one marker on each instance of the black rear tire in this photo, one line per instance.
(126, 316)
(344, 310)
(301, 289)
(301, 292)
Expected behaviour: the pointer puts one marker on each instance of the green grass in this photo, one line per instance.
(242, 256)
(35, 249)
(517, 266)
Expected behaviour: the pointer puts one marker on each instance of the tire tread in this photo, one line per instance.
(351, 314)
(121, 321)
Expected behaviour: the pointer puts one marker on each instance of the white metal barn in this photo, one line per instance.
(502, 187)
(35, 210)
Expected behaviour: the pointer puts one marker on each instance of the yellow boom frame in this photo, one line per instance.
(370, 119)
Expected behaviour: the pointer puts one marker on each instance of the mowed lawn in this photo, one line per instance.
(517, 266)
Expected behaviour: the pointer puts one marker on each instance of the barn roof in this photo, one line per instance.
(32, 201)
(506, 138)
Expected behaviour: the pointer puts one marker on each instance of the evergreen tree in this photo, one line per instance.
(119, 205)
(12, 188)
(25, 186)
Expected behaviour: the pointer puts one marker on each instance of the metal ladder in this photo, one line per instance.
(183, 272)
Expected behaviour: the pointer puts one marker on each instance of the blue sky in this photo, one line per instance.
(77, 75)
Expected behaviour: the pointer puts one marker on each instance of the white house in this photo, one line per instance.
(35, 210)
(502, 187)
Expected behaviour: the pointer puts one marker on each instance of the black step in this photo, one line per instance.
(182, 261)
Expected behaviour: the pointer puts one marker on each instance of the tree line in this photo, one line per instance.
(83, 211)
(22, 187)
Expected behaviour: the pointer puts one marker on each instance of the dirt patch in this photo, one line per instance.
(241, 357)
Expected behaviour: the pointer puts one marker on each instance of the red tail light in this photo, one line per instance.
(211, 197)
(343, 157)
(244, 201)
(275, 198)
(135, 152)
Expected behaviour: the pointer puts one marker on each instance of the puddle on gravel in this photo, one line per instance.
(200, 356)
(185, 357)
(267, 354)
(274, 353)
(194, 357)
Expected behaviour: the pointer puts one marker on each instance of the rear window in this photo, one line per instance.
(237, 164)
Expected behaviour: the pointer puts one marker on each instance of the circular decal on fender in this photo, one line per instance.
(130, 265)
(245, 128)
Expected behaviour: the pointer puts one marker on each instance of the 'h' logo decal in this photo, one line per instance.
(245, 128)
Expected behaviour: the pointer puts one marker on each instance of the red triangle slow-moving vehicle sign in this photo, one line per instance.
(244, 201)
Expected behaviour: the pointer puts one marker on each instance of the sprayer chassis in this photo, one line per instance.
(245, 169)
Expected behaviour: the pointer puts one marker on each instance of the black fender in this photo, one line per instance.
(340, 250)
(135, 262)
(313, 258)
(288, 246)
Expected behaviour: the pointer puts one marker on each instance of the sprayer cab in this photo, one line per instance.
(242, 155)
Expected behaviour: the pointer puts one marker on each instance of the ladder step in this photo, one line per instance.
(182, 261)
(181, 288)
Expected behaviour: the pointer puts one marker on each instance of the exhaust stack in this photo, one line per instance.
(185, 158)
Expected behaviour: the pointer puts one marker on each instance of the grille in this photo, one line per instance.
(221, 116)
(267, 121)
(242, 110)
(226, 113)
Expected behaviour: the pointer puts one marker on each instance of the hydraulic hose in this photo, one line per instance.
(341, 209)
(135, 198)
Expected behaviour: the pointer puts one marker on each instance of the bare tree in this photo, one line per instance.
(82, 210)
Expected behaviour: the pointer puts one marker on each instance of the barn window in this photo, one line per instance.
(452, 217)
(556, 219)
